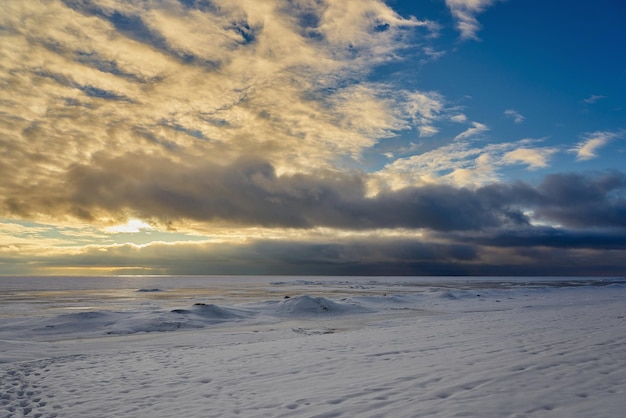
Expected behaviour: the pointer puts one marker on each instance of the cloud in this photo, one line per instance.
(250, 193)
(426, 130)
(591, 142)
(132, 226)
(515, 115)
(339, 256)
(201, 83)
(475, 130)
(593, 99)
(583, 201)
(129, 129)
(333, 228)
(460, 163)
(29, 238)
(535, 158)
(549, 237)
(459, 118)
(432, 54)
(520, 252)
(465, 11)
(424, 109)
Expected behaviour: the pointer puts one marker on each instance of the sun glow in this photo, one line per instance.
(131, 227)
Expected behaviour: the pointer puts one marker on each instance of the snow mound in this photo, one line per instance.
(447, 294)
(306, 305)
(197, 316)
(211, 311)
(132, 322)
(468, 294)
(140, 323)
(76, 322)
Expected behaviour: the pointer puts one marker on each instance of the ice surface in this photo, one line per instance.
(335, 347)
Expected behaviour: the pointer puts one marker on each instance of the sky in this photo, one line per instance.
(336, 137)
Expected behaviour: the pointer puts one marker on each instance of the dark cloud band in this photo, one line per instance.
(249, 192)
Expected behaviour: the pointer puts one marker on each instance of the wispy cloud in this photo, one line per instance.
(594, 99)
(534, 158)
(424, 110)
(591, 142)
(461, 163)
(515, 115)
(459, 118)
(465, 11)
(475, 130)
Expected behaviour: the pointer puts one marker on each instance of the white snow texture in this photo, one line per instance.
(327, 347)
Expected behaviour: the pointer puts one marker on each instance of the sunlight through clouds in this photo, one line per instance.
(361, 130)
(197, 86)
(132, 226)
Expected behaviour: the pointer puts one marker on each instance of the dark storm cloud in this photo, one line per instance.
(577, 200)
(602, 239)
(249, 192)
(586, 211)
(342, 256)
(364, 256)
(586, 200)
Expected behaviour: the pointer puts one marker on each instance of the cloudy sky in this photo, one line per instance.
(431, 137)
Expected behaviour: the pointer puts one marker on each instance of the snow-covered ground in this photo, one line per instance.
(316, 347)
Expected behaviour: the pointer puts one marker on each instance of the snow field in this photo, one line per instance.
(506, 353)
